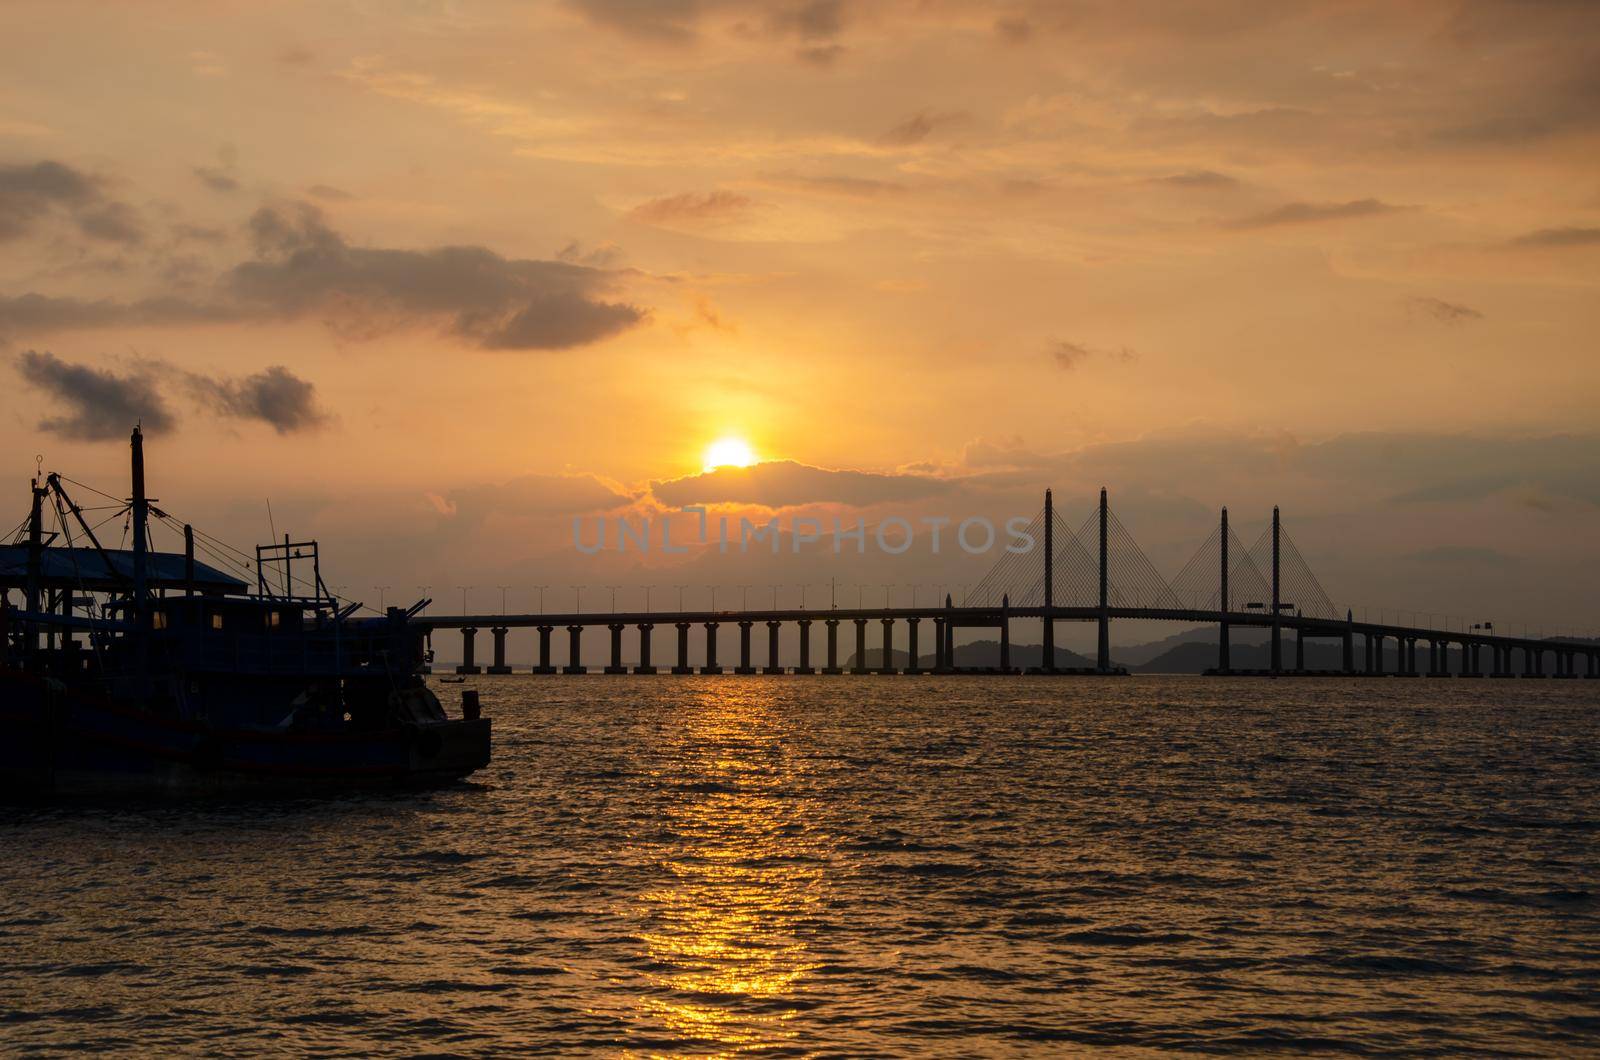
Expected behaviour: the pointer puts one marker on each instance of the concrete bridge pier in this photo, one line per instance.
(1348, 651)
(744, 666)
(913, 666)
(499, 666)
(1299, 650)
(939, 662)
(468, 666)
(1532, 663)
(833, 647)
(1005, 642)
(683, 666)
(774, 666)
(575, 651)
(886, 662)
(616, 666)
(711, 666)
(1593, 667)
(1410, 648)
(544, 666)
(861, 647)
(644, 666)
(1502, 660)
(805, 666)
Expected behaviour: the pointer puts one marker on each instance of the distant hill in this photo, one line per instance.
(980, 654)
(1135, 656)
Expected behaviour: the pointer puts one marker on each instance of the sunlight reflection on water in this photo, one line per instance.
(743, 871)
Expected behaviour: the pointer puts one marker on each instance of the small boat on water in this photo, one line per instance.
(138, 671)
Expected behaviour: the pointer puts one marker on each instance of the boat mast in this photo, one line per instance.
(35, 565)
(141, 518)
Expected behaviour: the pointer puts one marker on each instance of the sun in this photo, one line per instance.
(729, 452)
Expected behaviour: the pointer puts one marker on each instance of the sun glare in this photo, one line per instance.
(729, 452)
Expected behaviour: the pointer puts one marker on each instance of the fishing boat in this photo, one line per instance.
(131, 670)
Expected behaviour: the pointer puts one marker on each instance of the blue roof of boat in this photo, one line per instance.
(85, 568)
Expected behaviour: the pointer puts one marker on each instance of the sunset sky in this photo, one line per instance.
(436, 277)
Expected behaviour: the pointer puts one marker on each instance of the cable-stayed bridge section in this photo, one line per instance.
(1095, 572)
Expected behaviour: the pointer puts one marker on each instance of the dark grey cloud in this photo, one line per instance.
(1013, 30)
(663, 21)
(1199, 178)
(1311, 212)
(811, 20)
(1445, 468)
(215, 178)
(813, 24)
(532, 497)
(33, 191)
(832, 184)
(1559, 95)
(913, 130)
(692, 206)
(112, 222)
(786, 484)
(275, 396)
(28, 191)
(305, 268)
(103, 404)
(41, 313)
(1559, 237)
(823, 55)
(100, 404)
(198, 233)
(1070, 355)
(603, 256)
(1449, 312)
(1468, 557)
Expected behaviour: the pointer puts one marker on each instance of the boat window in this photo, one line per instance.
(216, 620)
(158, 620)
(274, 619)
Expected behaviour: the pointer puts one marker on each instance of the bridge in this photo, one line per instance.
(1266, 586)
